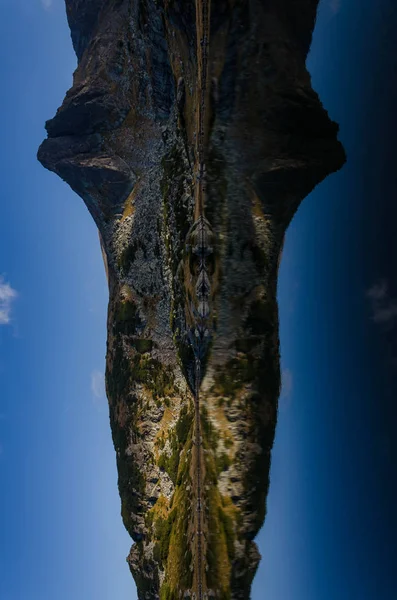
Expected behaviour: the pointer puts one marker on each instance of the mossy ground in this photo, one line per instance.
(177, 438)
(221, 519)
(167, 522)
(254, 366)
(173, 546)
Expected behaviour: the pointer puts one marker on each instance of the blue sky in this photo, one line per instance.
(61, 533)
(331, 525)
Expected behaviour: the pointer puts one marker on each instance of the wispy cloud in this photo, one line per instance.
(383, 304)
(46, 4)
(7, 296)
(287, 384)
(97, 384)
(378, 291)
(335, 6)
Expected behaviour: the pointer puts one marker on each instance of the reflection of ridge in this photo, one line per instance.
(198, 480)
(199, 246)
(201, 259)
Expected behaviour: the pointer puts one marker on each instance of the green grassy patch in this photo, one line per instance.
(177, 440)
(126, 318)
(235, 374)
(150, 372)
(223, 462)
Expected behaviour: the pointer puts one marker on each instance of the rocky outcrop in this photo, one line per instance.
(192, 134)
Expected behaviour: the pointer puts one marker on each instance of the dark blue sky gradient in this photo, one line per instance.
(331, 527)
(339, 421)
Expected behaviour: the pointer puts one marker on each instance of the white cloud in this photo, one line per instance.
(7, 296)
(46, 3)
(98, 384)
(384, 306)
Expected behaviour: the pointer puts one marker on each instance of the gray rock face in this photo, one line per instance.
(82, 17)
(192, 134)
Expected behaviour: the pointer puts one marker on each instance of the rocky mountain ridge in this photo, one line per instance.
(192, 134)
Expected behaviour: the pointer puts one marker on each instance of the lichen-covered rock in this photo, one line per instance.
(192, 134)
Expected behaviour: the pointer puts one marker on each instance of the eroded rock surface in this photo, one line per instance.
(192, 134)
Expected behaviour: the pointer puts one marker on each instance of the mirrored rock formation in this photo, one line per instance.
(192, 133)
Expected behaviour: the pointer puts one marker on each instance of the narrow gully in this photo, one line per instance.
(201, 331)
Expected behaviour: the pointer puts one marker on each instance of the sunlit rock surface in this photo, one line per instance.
(192, 134)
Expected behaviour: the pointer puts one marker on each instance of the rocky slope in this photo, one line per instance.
(192, 134)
